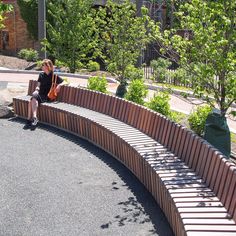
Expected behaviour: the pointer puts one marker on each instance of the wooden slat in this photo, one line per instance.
(175, 165)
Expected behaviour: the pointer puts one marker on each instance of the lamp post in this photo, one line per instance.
(42, 26)
(139, 4)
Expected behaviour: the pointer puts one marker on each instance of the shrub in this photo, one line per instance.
(78, 65)
(111, 67)
(233, 113)
(184, 94)
(181, 76)
(97, 83)
(93, 66)
(39, 64)
(137, 91)
(59, 63)
(28, 54)
(178, 117)
(131, 73)
(22, 53)
(160, 103)
(160, 69)
(197, 119)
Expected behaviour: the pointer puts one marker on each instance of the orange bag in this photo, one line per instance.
(52, 94)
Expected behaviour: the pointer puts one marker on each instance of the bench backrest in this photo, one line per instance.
(216, 171)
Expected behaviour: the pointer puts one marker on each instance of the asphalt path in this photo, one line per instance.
(53, 183)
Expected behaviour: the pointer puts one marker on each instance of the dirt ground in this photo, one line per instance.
(11, 62)
(14, 62)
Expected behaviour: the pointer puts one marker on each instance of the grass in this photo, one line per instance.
(171, 86)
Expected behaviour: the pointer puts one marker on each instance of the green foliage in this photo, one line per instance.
(160, 69)
(208, 52)
(3, 9)
(29, 13)
(197, 119)
(160, 103)
(178, 117)
(133, 73)
(93, 66)
(39, 64)
(72, 32)
(79, 65)
(28, 54)
(111, 67)
(59, 63)
(137, 91)
(184, 94)
(123, 35)
(97, 83)
(181, 76)
(233, 113)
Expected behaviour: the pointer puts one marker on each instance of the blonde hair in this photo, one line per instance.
(48, 63)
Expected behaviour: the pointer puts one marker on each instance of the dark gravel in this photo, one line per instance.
(56, 184)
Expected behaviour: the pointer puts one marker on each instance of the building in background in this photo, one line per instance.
(14, 36)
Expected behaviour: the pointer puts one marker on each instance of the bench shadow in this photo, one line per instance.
(143, 208)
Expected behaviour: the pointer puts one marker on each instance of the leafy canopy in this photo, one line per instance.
(209, 53)
(3, 9)
(72, 33)
(123, 34)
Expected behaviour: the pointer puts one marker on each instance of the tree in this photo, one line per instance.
(3, 9)
(207, 50)
(72, 33)
(124, 35)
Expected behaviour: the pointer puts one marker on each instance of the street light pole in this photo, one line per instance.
(139, 4)
(42, 26)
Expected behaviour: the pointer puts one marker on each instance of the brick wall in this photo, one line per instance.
(15, 35)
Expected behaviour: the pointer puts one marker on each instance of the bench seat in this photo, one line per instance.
(189, 203)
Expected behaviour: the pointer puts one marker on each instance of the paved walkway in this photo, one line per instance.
(19, 82)
(56, 184)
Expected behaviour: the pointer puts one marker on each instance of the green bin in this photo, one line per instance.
(217, 132)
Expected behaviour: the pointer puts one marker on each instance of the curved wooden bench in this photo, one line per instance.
(191, 181)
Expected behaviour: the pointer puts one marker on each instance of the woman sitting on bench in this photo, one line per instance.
(40, 95)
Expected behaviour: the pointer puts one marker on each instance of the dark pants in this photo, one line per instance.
(41, 98)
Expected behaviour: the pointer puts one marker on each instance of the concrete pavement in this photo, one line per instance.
(18, 82)
(56, 184)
